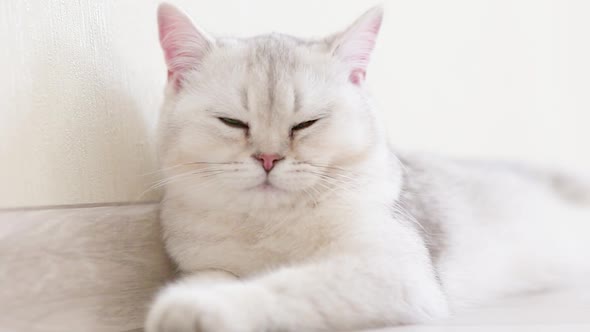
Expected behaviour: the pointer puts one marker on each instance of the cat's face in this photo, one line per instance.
(266, 120)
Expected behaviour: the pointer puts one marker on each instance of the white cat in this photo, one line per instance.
(287, 210)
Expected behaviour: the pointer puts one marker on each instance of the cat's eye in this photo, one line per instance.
(234, 123)
(303, 125)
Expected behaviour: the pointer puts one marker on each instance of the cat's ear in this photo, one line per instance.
(355, 45)
(184, 44)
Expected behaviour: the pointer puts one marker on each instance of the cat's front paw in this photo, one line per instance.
(185, 308)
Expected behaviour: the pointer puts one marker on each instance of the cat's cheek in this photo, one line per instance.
(190, 308)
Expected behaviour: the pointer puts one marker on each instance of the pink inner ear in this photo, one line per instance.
(357, 76)
(174, 78)
(183, 44)
(356, 44)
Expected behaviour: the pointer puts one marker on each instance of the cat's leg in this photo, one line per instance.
(337, 293)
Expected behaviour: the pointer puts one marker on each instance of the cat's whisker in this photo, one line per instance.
(200, 186)
(398, 208)
(203, 173)
(332, 177)
(333, 185)
(400, 163)
(163, 169)
(342, 176)
(337, 171)
(330, 167)
(311, 197)
(212, 163)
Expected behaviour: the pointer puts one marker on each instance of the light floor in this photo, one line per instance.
(565, 311)
(95, 269)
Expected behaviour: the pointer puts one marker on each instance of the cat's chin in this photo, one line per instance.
(269, 196)
(268, 187)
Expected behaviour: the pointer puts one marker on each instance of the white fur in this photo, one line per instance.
(345, 237)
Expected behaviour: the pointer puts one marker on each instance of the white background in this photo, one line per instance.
(81, 82)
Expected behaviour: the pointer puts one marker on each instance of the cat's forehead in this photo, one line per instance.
(270, 71)
(273, 53)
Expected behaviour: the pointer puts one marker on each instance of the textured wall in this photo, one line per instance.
(81, 83)
(78, 102)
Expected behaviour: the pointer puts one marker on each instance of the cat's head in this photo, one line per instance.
(265, 120)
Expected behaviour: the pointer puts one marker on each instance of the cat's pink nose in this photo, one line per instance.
(268, 160)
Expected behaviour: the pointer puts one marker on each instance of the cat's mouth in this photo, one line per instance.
(267, 186)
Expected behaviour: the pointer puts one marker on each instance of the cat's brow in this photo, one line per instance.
(296, 101)
(272, 80)
(245, 99)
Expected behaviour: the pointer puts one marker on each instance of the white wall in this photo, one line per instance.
(81, 83)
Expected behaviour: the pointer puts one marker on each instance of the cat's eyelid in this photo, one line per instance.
(314, 117)
(235, 123)
(226, 116)
(303, 125)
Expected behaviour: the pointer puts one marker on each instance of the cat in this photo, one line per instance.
(286, 208)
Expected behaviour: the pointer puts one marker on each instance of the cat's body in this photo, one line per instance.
(324, 226)
(497, 228)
